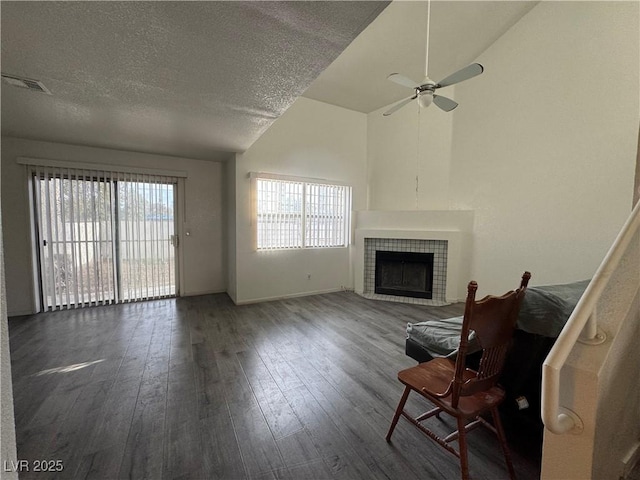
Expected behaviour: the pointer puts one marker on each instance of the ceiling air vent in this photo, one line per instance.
(28, 83)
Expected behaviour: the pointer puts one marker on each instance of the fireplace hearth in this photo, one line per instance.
(405, 274)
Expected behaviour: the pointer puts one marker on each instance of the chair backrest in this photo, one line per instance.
(493, 320)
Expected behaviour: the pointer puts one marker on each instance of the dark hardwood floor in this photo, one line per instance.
(199, 388)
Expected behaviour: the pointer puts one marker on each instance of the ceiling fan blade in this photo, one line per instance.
(444, 103)
(399, 105)
(461, 75)
(402, 80)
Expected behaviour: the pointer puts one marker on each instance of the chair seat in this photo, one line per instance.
(436, 375)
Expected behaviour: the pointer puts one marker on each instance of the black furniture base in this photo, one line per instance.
(521, 377)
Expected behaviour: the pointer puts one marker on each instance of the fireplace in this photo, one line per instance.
(405, 274)
(448, 234)
(438, 248)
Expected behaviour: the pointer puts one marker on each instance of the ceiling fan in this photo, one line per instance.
(425, 92)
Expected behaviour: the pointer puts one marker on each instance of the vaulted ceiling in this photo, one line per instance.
(202, 79)
(194, 79)
(395, 43)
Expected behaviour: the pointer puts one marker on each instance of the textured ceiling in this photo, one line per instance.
(395, 42)
(192, 79)
(201, 79)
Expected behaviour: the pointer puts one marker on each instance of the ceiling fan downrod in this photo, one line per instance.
(426, 50)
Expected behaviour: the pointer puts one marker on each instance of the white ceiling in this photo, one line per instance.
(395, 43)
(201, 79)
(193, 79)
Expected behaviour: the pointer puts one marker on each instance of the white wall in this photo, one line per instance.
(544, 142)
(312, 139)
(618, 415)
(203, 252)
(411, 142)
(541, 148)
(530, 133)
(7, 421)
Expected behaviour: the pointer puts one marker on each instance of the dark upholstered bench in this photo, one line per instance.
(543, 314)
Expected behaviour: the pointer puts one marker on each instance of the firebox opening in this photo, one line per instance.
(405, 274)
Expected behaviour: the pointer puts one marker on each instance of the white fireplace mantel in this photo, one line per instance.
(457, 255)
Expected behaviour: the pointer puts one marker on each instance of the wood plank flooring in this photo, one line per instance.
(197, 387)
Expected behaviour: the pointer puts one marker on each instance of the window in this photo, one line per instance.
(301, 213)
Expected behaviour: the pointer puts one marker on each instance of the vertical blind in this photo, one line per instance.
(294, 213)
(104, 237)
(279, 213)
(327, 209)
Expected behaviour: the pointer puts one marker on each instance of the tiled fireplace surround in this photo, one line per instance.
(447, 234)
(437, 247)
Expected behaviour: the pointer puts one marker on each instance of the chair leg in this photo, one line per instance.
(462, 447)
(503, 442)
(396, 416)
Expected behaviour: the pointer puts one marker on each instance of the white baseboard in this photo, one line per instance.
(20, 313)
(293, 295)
(204, 292)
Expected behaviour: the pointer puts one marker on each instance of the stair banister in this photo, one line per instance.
(583, 321)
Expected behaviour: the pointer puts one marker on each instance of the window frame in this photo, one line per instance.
(345, 217)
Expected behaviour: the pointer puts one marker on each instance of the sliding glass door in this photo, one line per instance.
(146, 240)
(104, 237)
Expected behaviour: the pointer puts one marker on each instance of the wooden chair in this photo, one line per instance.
(459, 391)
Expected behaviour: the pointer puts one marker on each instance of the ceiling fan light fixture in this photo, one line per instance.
(425, 91)
(26, 83)
(425, 99)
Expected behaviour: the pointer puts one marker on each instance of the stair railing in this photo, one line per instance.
(582, 326)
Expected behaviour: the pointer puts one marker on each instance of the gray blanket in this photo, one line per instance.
(544, 311)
